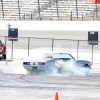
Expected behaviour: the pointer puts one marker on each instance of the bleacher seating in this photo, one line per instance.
(65, 7)
(49, 10)
(11, 8)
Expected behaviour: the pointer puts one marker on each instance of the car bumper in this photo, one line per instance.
(33, 68)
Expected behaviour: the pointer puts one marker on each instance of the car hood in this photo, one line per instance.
(83, 61)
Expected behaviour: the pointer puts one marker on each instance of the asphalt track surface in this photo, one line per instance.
(29, 87)
(34, 87)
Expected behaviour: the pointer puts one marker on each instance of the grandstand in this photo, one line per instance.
(49, 10)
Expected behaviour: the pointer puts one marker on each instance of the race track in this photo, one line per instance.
(28, 87)
(36, 87)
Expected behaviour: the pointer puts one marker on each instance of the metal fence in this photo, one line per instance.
(30, 43)
(35, 14)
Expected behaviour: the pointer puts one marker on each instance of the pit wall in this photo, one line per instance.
(51, 25)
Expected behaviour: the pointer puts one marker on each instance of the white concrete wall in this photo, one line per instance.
(52, 25)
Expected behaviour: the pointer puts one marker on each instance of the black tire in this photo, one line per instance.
(86, 65)
(0, 58)
(4, 57)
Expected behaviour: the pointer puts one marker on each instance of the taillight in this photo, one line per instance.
(26, 63)
(41, 63)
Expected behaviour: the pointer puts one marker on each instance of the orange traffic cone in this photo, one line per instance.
(6, 62)
(56, 96)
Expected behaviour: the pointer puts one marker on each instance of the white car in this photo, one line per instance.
(49, 60)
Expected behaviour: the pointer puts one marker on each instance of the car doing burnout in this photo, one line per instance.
(49, 60)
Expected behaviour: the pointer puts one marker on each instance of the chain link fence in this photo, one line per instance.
(32, 43)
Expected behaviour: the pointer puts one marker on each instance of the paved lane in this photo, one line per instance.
(28, 87)
(36, 87)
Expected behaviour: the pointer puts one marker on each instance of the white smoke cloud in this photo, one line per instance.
(67, 69)
(70, 68)
(13, 67)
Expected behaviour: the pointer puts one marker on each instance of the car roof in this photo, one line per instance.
(60, 53)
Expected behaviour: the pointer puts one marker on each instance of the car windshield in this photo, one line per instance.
(62, 55)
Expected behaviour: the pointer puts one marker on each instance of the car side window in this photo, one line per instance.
(46, 55)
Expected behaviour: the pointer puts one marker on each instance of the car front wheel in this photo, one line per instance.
(86, 65)
(4, 57)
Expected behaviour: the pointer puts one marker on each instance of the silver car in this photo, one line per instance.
(50, 59)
